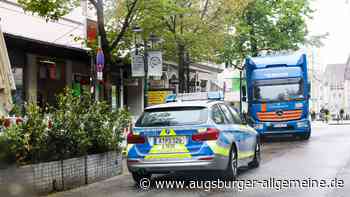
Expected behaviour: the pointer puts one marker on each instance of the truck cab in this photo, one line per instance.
(277, 95)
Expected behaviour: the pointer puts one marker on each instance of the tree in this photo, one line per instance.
(193, 30)
(267, 26)
(113, 20)
(124, 13)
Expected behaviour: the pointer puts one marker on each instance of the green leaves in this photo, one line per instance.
(28, 139)
(49, 9)
(197, 25)
(78, 126)
(267, 26)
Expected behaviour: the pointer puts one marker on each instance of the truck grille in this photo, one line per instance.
(279, 115)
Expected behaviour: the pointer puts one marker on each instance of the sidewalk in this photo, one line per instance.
(332, 122)
(344, 122)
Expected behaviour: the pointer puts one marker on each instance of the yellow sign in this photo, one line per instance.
(157, 97)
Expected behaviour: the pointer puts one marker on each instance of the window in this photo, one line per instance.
(217, 115)
(235, 114)
(227, 114)
(278, 90)
(173, 116)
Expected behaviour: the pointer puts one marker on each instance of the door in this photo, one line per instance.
(239, 134)
(250, 135)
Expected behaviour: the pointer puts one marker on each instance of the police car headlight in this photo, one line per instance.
(258, 126)
(302, 124)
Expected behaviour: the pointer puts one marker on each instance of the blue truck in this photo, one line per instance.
(277, 93)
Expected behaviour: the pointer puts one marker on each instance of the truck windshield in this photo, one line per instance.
(264, 92)
(173, 116)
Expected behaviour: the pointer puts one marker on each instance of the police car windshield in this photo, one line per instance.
(173, 116)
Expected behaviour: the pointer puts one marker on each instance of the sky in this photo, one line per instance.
(332, 16)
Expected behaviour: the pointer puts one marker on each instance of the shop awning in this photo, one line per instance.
(6, 78)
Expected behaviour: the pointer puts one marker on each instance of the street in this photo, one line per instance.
(325, 156)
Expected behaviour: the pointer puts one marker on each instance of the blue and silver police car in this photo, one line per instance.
(191, 135)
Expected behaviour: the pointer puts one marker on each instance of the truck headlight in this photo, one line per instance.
(299, 105)
(302, 124)
(258, 126)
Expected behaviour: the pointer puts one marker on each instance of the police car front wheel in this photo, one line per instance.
(257, 157)
(232, 167)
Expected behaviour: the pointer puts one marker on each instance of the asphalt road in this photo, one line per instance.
(324, 159)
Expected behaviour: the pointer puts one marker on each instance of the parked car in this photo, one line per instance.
(191, 135)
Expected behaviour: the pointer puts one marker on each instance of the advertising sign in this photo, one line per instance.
(100, 62)
(91, 31)
(156, 97)
(137, 65)
(155, 63)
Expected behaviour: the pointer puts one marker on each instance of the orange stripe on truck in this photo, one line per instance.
(263, 107)
(273, 116)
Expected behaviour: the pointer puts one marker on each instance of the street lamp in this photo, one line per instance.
(153, 39)
(136, 30)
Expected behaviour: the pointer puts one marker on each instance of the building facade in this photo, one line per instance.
(203, 78)
(335, 88)
(44, 55)
(46, 58)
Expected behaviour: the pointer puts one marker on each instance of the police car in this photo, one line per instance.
(191, 135)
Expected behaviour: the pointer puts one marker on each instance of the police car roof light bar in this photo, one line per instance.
(196, 96)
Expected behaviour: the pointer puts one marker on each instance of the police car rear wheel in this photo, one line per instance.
(140, 176)
(232, 168)
(257, 157)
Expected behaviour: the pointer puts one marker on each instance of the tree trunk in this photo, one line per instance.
(253, 44)
(181, 56)
(253, 41)
(105, 48)
(188, 71)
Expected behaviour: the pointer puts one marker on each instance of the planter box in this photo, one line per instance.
(103, 166)
(52, 176)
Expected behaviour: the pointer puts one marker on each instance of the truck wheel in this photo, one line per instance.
(139, 176)
(306, 136)
(231, 171)
(257, 157)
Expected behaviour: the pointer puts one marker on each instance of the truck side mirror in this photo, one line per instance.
(244, 94)
(244, 119)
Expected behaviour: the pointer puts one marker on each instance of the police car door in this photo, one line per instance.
(250, 136)
(238, 134)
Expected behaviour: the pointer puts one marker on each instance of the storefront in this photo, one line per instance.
(42, 70)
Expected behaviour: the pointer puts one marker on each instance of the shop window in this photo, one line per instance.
(193, 85)
(81, 83)
(18, 94)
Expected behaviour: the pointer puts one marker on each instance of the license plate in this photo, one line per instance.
(171, 142)
(280, 125)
